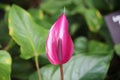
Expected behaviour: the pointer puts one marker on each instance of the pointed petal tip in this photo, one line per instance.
(64, 10)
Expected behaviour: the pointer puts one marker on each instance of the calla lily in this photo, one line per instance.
(59, 45)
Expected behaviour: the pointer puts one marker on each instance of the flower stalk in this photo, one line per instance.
(61, 72)
(37, 67)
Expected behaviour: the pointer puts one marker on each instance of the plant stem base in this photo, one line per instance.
(61, 72)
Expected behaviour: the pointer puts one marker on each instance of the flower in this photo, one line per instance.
(59, 45)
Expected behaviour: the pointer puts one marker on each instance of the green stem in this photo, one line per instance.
(61, 72)
(37, 67)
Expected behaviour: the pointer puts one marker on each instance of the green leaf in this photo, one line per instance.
(36, 13)
(82, 45)
(40, 18)
(30, 36)
(44, 23)
(99, 48)
(46, 6)
(5, 65)
(80, 67)
(84, 3)
(94, 19)
(105, 5)
(117, 49)
(92, 16)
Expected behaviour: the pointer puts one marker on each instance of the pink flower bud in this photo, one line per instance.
(59, 45)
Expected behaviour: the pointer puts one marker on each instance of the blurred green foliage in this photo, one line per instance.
(23, 34)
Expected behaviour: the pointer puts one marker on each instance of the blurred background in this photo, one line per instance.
(87, 27)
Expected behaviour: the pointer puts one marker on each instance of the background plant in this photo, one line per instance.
(23, 32)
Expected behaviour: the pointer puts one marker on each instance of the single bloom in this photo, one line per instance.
(59, 45)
